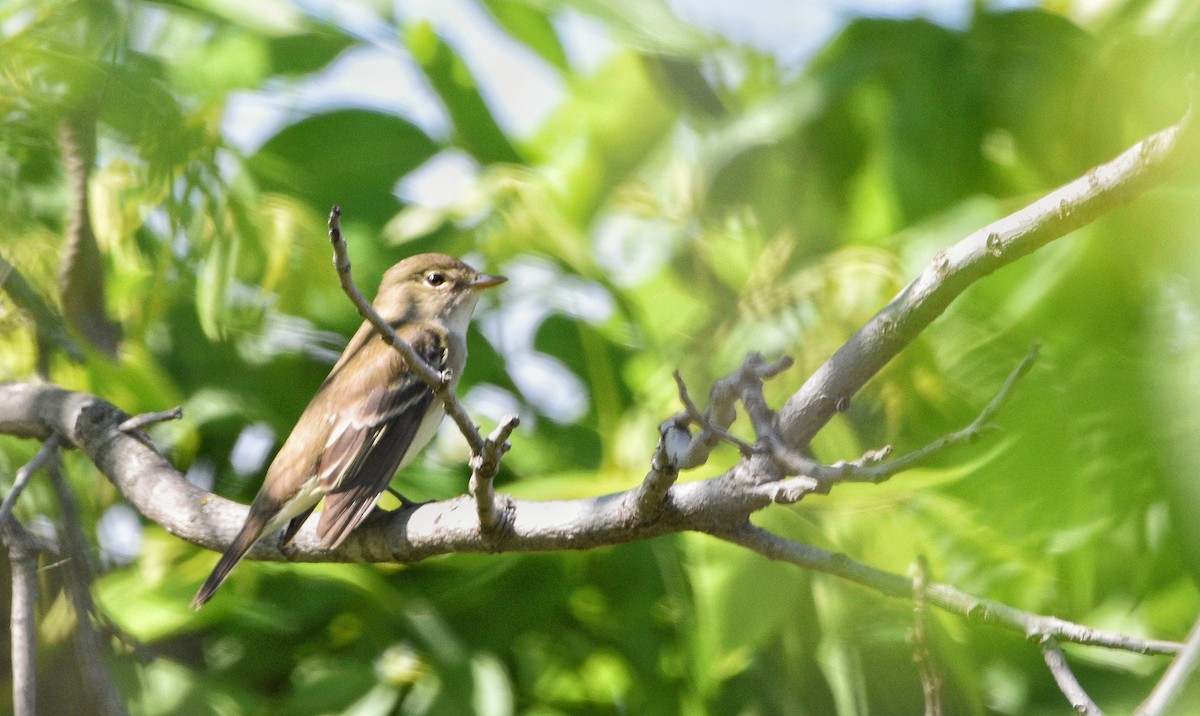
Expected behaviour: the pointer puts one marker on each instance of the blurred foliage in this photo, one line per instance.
(690, 198)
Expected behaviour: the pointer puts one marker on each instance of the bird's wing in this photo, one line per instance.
(371, 436)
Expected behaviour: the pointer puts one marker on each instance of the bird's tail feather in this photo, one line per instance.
(245, 539)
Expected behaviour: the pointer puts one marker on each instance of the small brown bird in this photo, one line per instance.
(371, 416)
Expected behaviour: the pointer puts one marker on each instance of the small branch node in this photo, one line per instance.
(138, 422)
(484, 466)
(792, 490)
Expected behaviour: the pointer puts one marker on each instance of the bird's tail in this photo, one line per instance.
(245, 539)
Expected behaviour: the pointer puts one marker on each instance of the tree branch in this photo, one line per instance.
(945, 597)
(24, 558)
(715, 506)
(81, 275)
(23, 549)
(871, 468)
(77, 581)
(484, 467)
(21, 479)
(931, 678)
(1172, 682)
(955, 269)
(1056, 661)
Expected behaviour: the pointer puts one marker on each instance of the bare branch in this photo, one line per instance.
(23, 549)
(940, 595)
(437, 381)
(21, 479)
(721, 412)
(674, 440)
(484, 467)
(931, 679)
(952, 271)
(1056, 661)
(715, 506)
(707, 426)
(81, 275)
(869, 467)
(1181, 669)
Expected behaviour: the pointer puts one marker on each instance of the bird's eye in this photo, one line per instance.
(435, 278)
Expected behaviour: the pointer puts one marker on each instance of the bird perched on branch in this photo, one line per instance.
(371, 416)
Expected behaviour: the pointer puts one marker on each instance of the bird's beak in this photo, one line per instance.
(486, 281)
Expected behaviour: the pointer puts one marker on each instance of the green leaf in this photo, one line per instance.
(475, 129)
(350, 157)
(531, 26)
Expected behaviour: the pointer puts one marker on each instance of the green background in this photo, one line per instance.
(690, 198)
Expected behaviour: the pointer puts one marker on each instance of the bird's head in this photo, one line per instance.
(428, 286)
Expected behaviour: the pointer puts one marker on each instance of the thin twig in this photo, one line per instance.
(869, 468)
(986, 250)
(1056, 661)
(757, 370)
(484, 467)
(705, 421)
(27, 471)
(437, 381)
(718, 506)
(673, 441)
(943, 596)
(715, 421)
(931, 678)
(1172, 682)
(138, 422)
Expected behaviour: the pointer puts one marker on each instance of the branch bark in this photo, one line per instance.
(830, 389)
(718, 506)
(1056, 661)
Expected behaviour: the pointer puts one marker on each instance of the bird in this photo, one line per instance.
(371, 416)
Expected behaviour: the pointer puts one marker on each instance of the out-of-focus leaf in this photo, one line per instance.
(726, 580)
(232, 60)
(475, 130)
(649, 26)
(348, 157)
(531, 26)
(683, 80)
(267, 17)
(304, 53)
